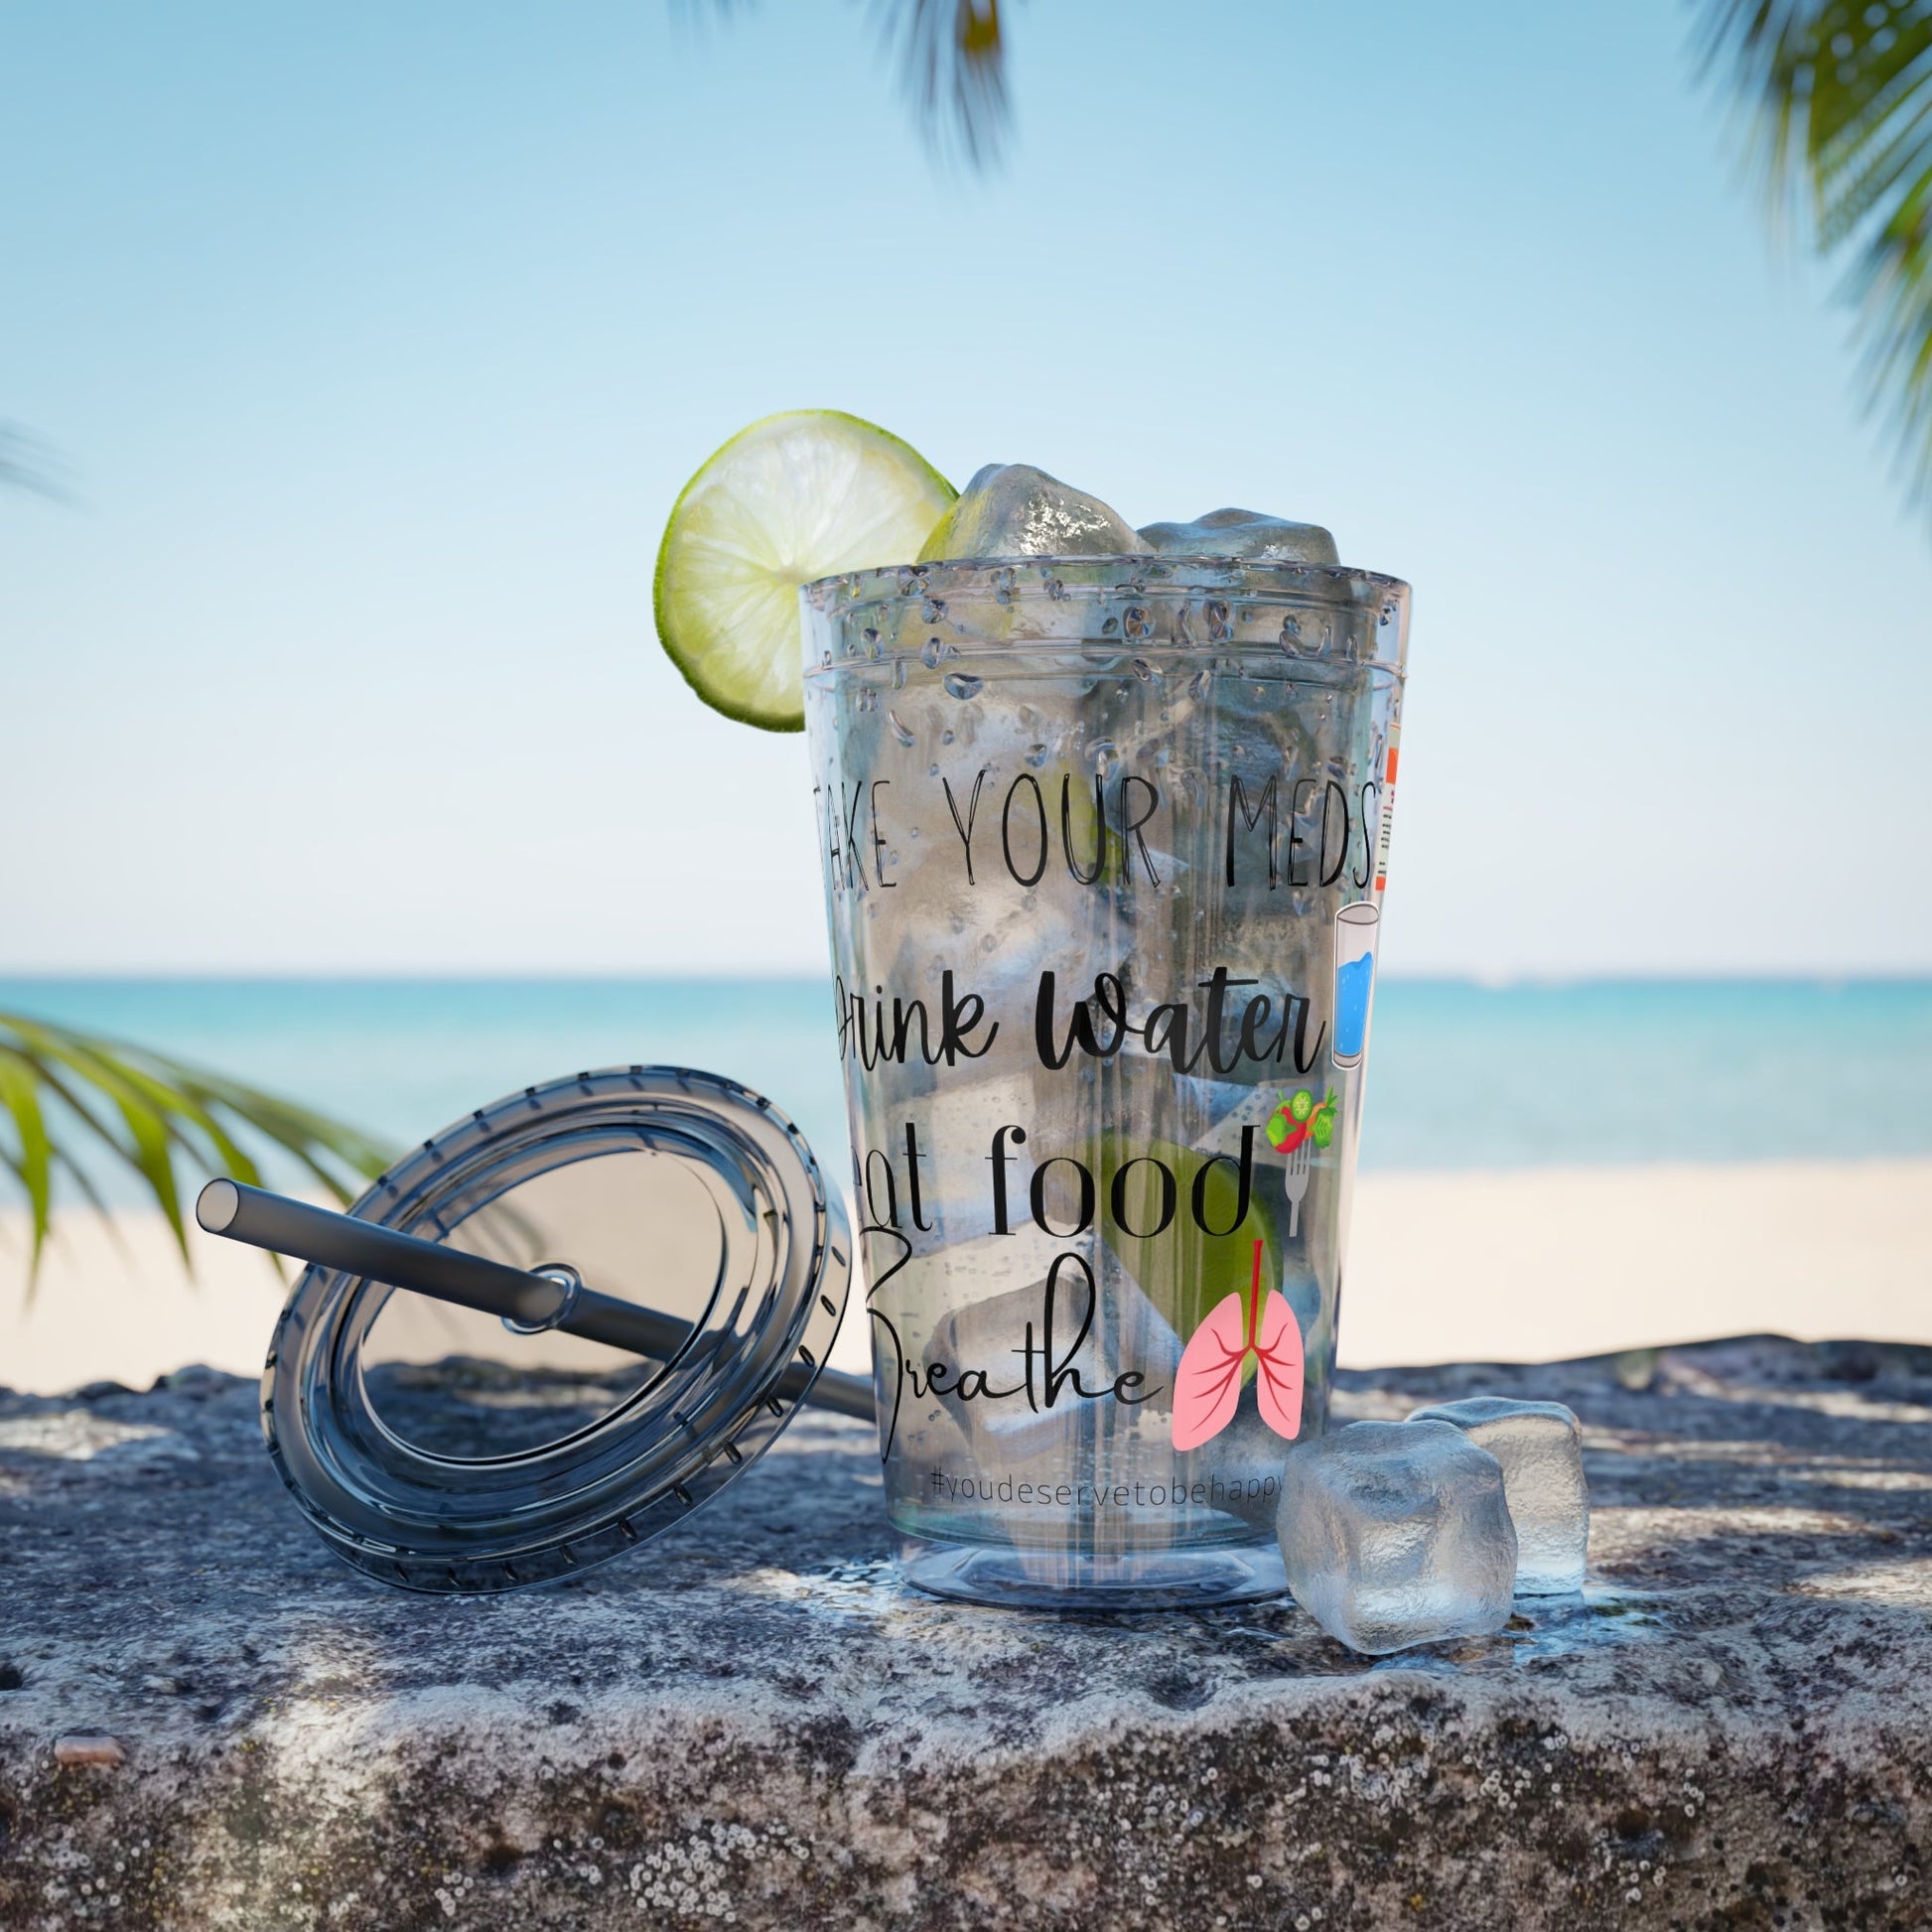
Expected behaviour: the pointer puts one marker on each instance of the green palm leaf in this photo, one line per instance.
(62, 1090)
(1842, 91)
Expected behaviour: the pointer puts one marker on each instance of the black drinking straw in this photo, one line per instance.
(530, 1301)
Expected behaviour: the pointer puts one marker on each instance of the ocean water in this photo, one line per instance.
(1460, 1075)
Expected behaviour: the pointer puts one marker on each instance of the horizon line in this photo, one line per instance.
(1486, 980)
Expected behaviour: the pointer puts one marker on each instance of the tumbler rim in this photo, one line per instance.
(1339, 584)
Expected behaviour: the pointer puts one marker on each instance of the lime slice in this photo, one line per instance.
(793, 497)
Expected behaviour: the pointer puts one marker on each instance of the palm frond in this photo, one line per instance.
(63, 1091)
(1842, 91)
(25, 465)
(953, 64)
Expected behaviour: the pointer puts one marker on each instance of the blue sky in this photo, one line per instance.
(377, 341)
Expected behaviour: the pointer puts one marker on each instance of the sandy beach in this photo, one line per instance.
(1476, 1265)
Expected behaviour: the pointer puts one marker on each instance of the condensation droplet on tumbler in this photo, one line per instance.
(1134, 620)
(945, 738)
(932, 609)
(1199, 684)
(962, 685)
(930, 652)
(898, 674)
(1145, 671)
(1217, 612)
(901, 730)
(1036, 756)
(991, 943)
(867, 700)
(1111, 628)
(872, 643)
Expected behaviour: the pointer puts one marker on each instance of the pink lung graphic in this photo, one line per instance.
(1207, 1384)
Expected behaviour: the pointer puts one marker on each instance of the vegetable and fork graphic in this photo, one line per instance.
(1297, 1128)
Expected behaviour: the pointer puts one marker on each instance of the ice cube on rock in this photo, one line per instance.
(1396, 1532)
(1242, 533)
(1540, 1446)
(1012, 510)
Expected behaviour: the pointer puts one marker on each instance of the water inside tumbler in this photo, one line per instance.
(1089, 830)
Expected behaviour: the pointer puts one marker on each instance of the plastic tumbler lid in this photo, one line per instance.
(442, 1449)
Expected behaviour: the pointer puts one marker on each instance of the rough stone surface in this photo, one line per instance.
(751, 1723)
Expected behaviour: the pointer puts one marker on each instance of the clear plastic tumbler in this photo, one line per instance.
(1104, 844)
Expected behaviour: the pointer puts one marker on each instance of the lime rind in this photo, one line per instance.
(793, 497)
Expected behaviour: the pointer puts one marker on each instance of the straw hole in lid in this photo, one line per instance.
(734, 1454)
(828, 1305)
(806, 1356)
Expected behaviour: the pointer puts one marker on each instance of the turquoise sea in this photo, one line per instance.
(1461, 1075)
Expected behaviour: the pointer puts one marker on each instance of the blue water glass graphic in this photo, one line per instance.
(1356, 927)
(1351, 1006)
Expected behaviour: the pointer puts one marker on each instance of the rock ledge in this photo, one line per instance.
(206, 1722)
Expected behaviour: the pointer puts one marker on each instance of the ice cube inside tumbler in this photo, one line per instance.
(1540, 1447)
(1012, 510)
(1242, 533)
(1396, 1534)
